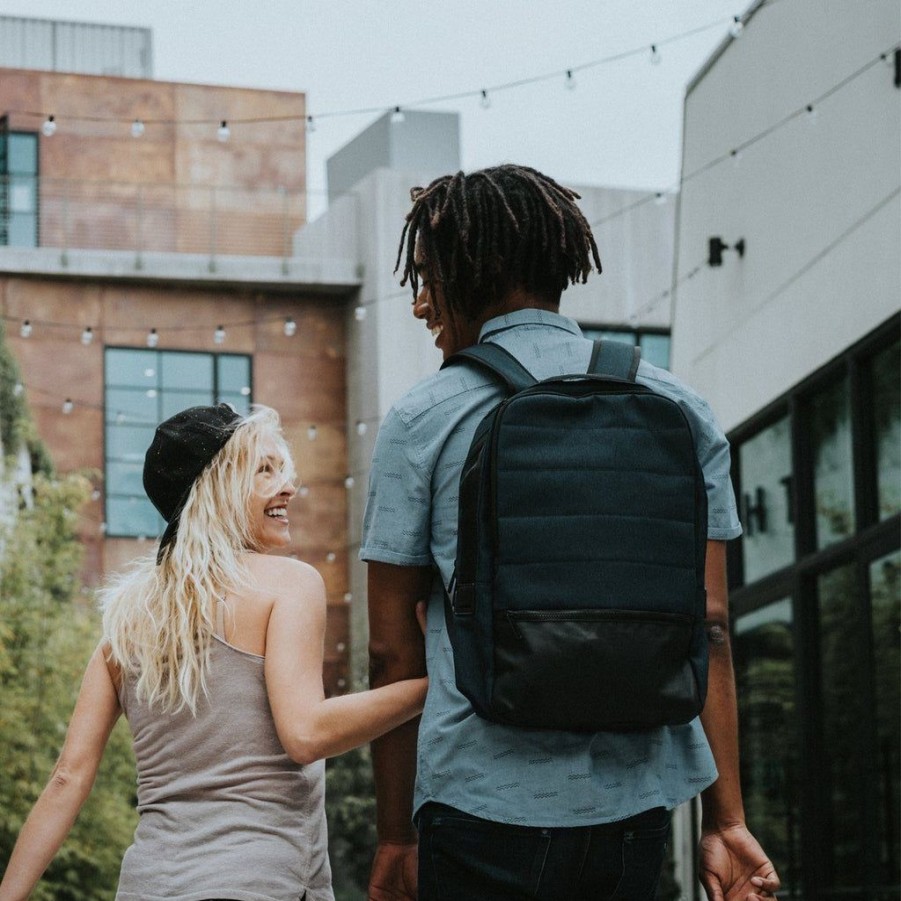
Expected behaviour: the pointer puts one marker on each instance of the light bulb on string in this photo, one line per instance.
(219, 335)
(49, 127)
(25, 329)
(485, 100)
(87, 336)
(68, 406)
(397, 116)
(152, 338)
(361, 427)
(137, 128)
(655, 55)
(245, 391)
(303, 491)
(331, 557)
(736, 157)
(737, 27)
(660, 198)
(811, 112)
(570, 83)
(290, 328)
(348, 597)
(360, 313)
(18, 389)
(311, 432)
(223, 133)
(349, 482)
(311, 125)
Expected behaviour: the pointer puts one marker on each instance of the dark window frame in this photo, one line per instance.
(870, 541)
(214, 355)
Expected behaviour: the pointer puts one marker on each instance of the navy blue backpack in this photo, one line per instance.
(578, 598)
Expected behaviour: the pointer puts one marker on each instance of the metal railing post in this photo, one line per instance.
(212, 263)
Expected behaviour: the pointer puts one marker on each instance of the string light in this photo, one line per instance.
(49, 127)
(152, 338)
(303, 491)
(311, 432)
(245, 391)
(348, 597)
(25, 330)
(137, 128)
(311, 125)
(660, 198)
(736, 157)
(290, 328)
(570, 82)
(87, 336)
(360, 313)
(68, 406)
(397, 116)
(361, 427)
(737, 27)
(485, 100)
(655, 55)
(811, 114)
(18, 388)
(331, 557)
(349, 482)
(223, 133)
(219, 335)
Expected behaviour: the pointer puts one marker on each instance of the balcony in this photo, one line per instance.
(157, 231)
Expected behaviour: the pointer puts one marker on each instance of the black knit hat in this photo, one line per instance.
(182, 448)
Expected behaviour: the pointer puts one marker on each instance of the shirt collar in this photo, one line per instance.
(529, 316)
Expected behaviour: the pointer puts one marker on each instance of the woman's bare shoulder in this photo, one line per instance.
(280, 576)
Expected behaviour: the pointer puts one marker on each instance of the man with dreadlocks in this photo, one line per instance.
(503, 812)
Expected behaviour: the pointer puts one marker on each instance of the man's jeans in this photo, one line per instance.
(464, 858)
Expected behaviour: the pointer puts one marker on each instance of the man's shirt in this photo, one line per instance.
(503, 773)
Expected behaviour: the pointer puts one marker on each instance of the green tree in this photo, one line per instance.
(46, 637)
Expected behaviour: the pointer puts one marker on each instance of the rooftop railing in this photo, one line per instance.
(148, 218)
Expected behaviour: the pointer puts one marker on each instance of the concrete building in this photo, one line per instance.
(792, 155)
(145, 238)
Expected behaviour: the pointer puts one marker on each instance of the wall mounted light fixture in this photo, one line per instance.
(716, 246)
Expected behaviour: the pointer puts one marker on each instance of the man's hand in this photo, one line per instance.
(734, 867)
(394, 876)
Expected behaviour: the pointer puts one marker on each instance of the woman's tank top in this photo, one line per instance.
(224, 812)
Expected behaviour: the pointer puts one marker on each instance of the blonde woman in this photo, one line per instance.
(213, 650)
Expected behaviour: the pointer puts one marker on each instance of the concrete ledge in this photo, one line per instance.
(322, 276)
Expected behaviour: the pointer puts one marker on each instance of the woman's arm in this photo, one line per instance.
(52, 816)
(310, 726)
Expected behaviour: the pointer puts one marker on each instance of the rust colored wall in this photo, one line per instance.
(302, 376)
(90, 170)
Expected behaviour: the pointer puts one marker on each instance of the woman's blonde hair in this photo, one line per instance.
(159, 619)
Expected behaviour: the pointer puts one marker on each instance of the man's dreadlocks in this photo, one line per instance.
(482, 235)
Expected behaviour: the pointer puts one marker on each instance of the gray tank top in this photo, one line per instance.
(224, 812)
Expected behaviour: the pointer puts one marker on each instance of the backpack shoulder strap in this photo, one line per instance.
(614, 358)
(497, 361)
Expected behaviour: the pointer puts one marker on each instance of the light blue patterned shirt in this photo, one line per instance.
(502, 773)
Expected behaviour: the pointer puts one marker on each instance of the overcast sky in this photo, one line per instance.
(620, 126)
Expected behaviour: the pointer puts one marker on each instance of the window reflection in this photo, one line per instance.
(767, 516)
(887, 416)
(764, 670)
(840, 626)
(885, 601)
(833, 480)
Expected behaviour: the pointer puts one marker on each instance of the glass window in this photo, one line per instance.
(833, 481)
(765, 465)
(18, 189)
(887, 416)
(144, 387)
(840, 625)
(764, 650)
(655, 349)
(885, 602)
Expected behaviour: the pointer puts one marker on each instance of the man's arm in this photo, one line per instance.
(733, 865)
(396, 651)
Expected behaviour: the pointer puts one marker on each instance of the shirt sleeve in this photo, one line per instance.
(396, 525)
(715, 458)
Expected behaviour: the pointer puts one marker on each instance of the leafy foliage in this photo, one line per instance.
(47, 635)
